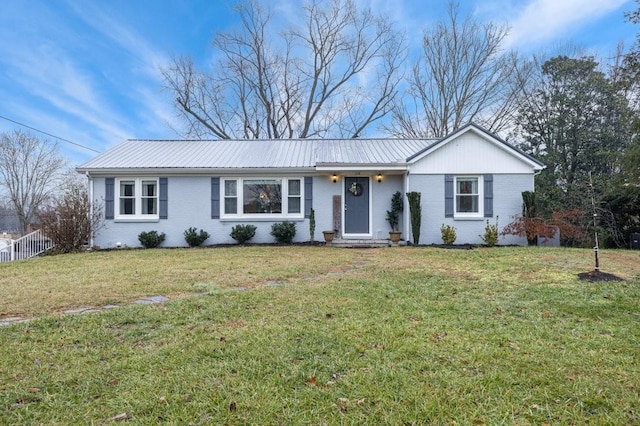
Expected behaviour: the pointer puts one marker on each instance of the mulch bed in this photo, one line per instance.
(598, 276)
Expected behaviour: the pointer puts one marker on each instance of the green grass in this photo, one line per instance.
(389, 336)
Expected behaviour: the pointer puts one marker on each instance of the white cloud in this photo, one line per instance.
(542, 21)
(148, 58)
(47, 73)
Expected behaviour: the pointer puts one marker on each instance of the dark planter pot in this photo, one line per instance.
(394, 236)
(328, 237)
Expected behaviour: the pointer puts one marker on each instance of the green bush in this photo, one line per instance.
(393, 215)
(284, 232)
(312, 225)
(195, 239)
(490, 236)
(243, 233)
(448, 233)
(151, 239)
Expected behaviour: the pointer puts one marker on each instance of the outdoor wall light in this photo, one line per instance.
(334, 178)
(379, 178)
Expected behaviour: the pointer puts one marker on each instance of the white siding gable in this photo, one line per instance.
(471, 152)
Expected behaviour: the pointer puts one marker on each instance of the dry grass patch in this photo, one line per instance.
(49, 284)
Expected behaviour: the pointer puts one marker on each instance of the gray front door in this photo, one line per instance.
(356, 205)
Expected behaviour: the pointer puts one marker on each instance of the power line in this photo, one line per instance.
(49, 134)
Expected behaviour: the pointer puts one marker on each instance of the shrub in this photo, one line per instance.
(393, 215)
(448, 233)
(567, 222)
(151, 239)
(490, 236)
(415, 212)
(284, 232)
(243, 233)
(195, 239)
(312, 225)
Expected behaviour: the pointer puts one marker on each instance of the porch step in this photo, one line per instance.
(363, 243)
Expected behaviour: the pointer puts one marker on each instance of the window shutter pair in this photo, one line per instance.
(215, 197)
(449, 201)
(109, 198)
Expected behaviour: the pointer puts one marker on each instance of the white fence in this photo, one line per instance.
(24, 247)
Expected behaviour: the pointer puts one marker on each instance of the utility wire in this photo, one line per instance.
(49, 134)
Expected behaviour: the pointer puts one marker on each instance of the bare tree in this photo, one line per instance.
(462, 75)
(70, 219)
(29, 168)
(333, 75)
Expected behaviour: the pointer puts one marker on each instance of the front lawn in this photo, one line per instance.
(315, 335)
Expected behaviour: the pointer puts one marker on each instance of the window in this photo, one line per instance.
(137, 198)
(127, 197)
(295, 204)
(149, 197)
(231, 197)
(467, 195)
(262, 197)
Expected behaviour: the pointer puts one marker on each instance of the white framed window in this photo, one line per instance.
(258, 197)
(468, 196)
(294, 201)
(137, 198)
(230, 196)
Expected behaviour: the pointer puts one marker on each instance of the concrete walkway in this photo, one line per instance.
(151, 300)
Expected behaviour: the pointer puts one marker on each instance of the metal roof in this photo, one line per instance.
(254, 154)
(292, 154)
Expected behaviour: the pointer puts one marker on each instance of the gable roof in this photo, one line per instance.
(291, 154)
(472, 127)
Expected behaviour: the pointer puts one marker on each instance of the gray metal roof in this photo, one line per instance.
(254, 154)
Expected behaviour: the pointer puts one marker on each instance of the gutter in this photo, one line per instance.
(191, 171)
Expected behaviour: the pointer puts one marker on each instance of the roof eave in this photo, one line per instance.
(335, 167)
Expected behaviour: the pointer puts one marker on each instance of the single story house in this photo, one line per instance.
(465, 179)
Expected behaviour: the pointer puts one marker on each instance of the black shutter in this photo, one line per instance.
(164, 198)
(215, 198)
(488, 195)
(448, 195)
(109, 194)
(308, 196)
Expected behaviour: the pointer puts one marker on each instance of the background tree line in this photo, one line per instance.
(343, 71)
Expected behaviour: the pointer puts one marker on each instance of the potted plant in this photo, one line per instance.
(393, 217)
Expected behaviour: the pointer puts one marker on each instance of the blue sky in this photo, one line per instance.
(88, 70)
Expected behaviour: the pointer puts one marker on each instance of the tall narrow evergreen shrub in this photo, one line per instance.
(415, 212)
(312, 225)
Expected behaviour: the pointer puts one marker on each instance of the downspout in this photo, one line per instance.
(90, 187)
(534, 178)
(405, 211)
